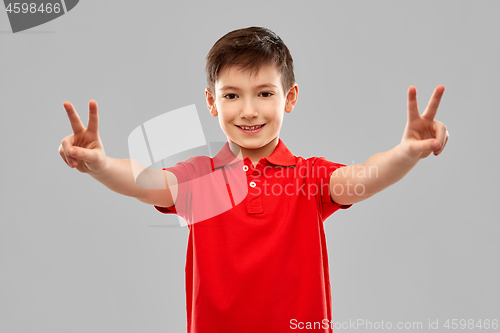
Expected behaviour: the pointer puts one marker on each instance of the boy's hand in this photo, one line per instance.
(83, 149)
(423, 134)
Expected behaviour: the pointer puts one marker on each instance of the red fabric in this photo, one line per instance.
(256, 259)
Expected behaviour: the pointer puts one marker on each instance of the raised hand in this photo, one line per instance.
(83, 149)
(423, 134)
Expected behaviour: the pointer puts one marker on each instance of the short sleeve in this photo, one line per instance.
(180, 170)
(166, 210)
(323, 170)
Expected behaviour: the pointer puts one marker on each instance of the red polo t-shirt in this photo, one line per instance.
(256, 257)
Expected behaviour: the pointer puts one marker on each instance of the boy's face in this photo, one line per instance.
(239, 101)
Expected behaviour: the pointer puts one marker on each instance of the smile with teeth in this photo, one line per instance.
(250, 128)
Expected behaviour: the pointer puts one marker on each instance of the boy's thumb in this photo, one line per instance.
(87, 155)
(77, 152)
(429, 145)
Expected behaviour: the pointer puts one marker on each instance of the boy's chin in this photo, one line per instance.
(252, 146)
(248, 144)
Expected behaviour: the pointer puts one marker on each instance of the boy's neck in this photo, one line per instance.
(254, 154)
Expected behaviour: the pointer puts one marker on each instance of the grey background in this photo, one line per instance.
(77, 257)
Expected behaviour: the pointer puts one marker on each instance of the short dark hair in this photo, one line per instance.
(250, 49)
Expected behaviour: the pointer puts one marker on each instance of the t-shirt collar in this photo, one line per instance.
(280, 156)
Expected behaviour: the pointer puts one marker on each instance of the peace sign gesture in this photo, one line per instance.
(83, 149)
(423, 134)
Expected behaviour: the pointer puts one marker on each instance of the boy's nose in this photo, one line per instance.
(249, 111)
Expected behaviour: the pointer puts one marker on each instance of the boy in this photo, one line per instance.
(256, 258)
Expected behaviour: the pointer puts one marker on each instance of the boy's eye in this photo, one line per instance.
(229, 95)
(232, 96)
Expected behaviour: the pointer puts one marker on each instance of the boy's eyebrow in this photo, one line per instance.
(265, 85)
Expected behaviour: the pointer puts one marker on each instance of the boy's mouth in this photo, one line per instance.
(253, 127)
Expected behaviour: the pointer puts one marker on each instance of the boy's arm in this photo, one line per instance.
(422, 136)
(154, 188)
(84, 151)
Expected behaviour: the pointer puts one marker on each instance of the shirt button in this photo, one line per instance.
(252, 184)
(245, 168)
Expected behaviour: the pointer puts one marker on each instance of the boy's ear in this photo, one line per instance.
(210, 102)
(291, 97)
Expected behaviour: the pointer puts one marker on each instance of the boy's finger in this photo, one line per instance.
(87, 155)
(93, 124)
(412, 104)
(74, 119)
(432, 107)
(442, 147)
(424, 147)
(429, 145)
(440, 130)
(63, 156)
(66, 144)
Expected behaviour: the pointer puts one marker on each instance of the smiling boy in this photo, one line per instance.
(257, 258)
(243, 102)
